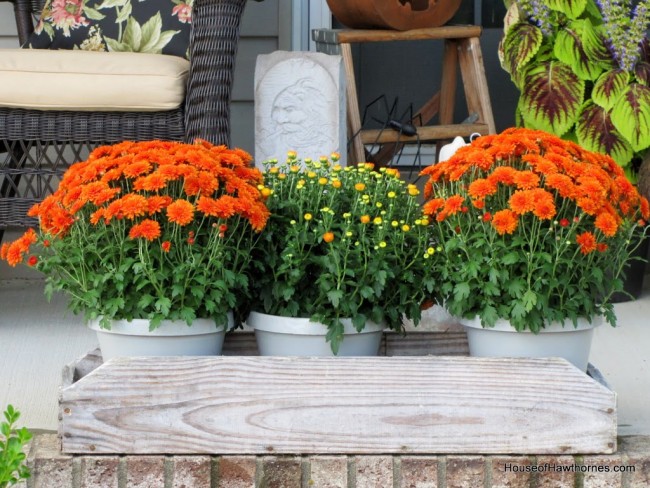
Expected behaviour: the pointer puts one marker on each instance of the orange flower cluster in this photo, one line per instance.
(536, 174)
(149, 185)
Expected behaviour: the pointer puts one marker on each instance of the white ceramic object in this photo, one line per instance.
(287, 336)
(555, 340)
(172, 338)
(448, 150)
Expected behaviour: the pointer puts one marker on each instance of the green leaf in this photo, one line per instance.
(493, 275)
(334, 297)
(642, 72)
(163, 305)
(631, 116)
(551, 97)
(529, 300)
(569, 48)
(516, 288)
(124, 14)
(461, 291)
(93, 14)
(609, 86)
(596, 132)
(116, 46)
(519, 46)
(510, 258)
(145, 301)
(367, 292)
(132, 35)
(163, 40)
(489, 315)
(570, 8)
(151, 31)
(518, 310)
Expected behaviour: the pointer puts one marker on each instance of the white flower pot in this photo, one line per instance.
(172, 338)
(287, 336)
(555, 340)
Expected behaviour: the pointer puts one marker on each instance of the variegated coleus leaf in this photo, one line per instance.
(512, 17)
(551, 97)
(575, 45)
(570, 8)
(631, 115)
(642, 72)
(596, 132)
(609, 86)
(520, 45)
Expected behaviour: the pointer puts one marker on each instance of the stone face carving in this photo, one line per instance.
(299, 105)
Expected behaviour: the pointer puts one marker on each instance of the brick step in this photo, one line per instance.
(52, 469)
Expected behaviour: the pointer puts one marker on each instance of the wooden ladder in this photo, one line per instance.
(462, 47)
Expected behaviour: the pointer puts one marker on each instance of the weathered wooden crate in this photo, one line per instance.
(405, 403)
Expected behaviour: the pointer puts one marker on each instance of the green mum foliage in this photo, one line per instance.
(575, 47)
(608, 87)
(551, 98)
(520, 45)
(571, 8)
(631, 115)
(596, 132)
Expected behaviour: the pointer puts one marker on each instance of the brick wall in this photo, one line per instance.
(52, 469)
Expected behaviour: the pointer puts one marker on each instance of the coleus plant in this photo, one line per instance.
(583, 70)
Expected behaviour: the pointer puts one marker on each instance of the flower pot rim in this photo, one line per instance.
(503, 325)
(140, 327)
(302, 325)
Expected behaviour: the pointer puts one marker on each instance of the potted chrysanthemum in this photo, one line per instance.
(147, 238)
(344, 255)
(536, 234)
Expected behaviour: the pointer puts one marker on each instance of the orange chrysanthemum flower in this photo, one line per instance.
(180, 212)
(157, 203)
(453, 204)
(606, 223)
(505, 221)
(481, 188)
(522, 201)
(562, 183)
(587, 242)
(328, 237)
(526, 180)
(503, 174)
(152, 182)
(136, 169)
(432, 206)
(147, 229)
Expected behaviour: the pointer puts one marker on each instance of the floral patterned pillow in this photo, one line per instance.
(146, 26)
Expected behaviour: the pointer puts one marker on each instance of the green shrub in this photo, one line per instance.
(12, 457)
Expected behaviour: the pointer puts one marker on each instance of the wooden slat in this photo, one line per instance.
(357, 151)
(428, 133)
(380, 35)
(256, 405)
(475, 82)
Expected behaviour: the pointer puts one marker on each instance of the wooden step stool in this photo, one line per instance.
(461, 44)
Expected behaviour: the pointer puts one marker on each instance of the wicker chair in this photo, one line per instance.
(36, 146)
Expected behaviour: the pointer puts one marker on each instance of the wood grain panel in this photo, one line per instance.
(256, 405)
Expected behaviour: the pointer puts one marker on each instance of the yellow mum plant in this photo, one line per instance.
(341, 242)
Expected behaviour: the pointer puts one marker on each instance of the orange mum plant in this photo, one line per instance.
(534, 229)
(154, 230)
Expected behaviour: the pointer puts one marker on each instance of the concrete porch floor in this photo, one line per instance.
(38, 338)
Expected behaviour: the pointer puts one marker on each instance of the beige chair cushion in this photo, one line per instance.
(44, 79)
